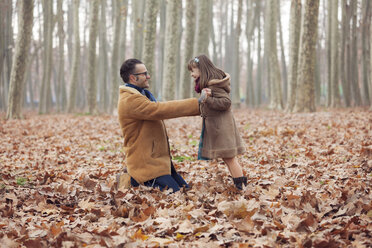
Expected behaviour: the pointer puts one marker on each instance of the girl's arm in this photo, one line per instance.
(219, 100)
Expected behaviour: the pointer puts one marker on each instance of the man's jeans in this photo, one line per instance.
(173, 181)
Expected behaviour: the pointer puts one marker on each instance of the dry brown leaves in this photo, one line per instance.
(309, 185)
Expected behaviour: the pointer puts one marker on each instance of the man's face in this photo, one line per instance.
(140, 76)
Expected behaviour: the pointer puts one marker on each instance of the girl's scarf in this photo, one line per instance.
(197, 86)
(143, 91)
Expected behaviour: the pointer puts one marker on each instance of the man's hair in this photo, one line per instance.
(127, 68)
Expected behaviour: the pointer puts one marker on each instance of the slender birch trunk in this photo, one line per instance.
(17, 76)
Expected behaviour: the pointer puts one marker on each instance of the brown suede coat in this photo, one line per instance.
(145, 137)
(221, 137)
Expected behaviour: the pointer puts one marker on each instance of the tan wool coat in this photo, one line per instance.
(145, 137)
(221, 137)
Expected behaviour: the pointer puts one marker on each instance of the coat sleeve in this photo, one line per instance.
(136, 106)
(219, 100)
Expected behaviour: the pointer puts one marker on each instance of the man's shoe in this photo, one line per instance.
(122, 181)
(239, 181)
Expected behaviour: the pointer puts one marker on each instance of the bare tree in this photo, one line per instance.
(366, 23)
(17, 78)
(6, 49)
(282, 58)
(103, 67)
(329, 49)
(202, 30)
(123, 38)
(235, 87)
(294, 38)
(138, 8)
(92, 81)
(305, 99)
(251, 20)
(45, 102)
(259, 63)
(370, 69)
(61, 95)
(345, 53)
(76, 57)
(355, 89)
(160, 49)
(148, 50)
(115, 76)
(276, 101)
(189, 47)
(171, 36)
(335, 94)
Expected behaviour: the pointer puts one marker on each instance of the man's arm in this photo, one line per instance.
(136, 106)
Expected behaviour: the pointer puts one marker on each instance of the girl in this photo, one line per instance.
(219, 137)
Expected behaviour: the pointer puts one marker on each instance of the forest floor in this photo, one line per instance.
(309, 184)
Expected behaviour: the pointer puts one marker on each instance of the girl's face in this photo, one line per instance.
(195, 73)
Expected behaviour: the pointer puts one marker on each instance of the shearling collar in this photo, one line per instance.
(123, 88)
(223, 82)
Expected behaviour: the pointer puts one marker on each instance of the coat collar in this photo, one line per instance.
(124, 88)
(223, 82)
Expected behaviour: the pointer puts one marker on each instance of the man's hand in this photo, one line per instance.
(206, 92)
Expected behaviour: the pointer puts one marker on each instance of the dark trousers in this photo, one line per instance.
(173, 181)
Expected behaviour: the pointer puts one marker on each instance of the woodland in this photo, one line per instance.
(301, 90)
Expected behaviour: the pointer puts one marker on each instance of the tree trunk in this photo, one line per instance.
(344, 54)
(266, 67)
(282, 58)
(354, 57)
(160, 61)
(329, 55)
(148, 50)
(370, 69)
(259, 63)
(235, 81)
(335, 94)
(123, 39)
(171, 41)
(76, 58)
(92, 79)
(276, 101)
(305, 99)
(115, 76)
(189, 47)
(45, 102)
(61, 96)
(138, 8)
(213, 33)
(366, 22)
(229, 40)
(17, 78)
(103, 69)
(178, 51)
(294, 38)
(202, 30)
(251, 20)
(7, 49)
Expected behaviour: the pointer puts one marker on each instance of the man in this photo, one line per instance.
(141, 118)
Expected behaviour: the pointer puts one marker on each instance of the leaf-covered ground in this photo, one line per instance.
(309, 185)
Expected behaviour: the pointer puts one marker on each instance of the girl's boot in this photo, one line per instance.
(239, 181)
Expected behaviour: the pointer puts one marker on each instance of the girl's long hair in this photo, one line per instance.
(208, 70)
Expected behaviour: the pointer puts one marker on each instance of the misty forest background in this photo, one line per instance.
(64, 56)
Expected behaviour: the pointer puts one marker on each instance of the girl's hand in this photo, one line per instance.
(204, 95)
(207, 91)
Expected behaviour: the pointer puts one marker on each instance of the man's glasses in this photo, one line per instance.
(146, 73)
